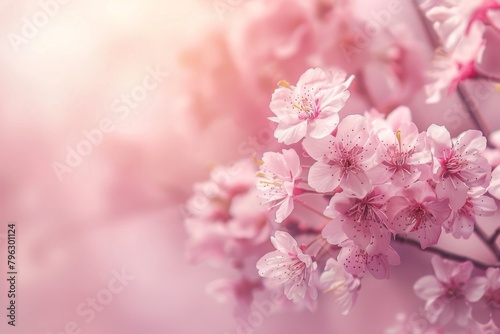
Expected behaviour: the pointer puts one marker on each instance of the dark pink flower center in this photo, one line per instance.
(492, 298)
(348, 161)
(366, 210)
(467, 209)
(454, 291)
(296, 268)
(398, 160)
(418, 215)
(307, 108)
(453, 164)
(481, 14)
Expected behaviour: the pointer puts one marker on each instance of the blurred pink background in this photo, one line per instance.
(119, 208)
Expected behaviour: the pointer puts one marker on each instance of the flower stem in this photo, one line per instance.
(480, 74)
(443, 253)
(309, 207)
(325, 248)
(495, 235)
(318, 237)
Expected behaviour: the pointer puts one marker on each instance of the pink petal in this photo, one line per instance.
(333, 232)
(454, 190)
(319, 149)
(397, 211)
(428, 234)
(440, 139)
(462, 313)
(354, 130)
(494, 188)
(380, 241)
(339, 205)
(358, 231)
(323, 177)
(428, 288)
(420, 192)
(399, 116)
(292, 162)
(280, 104)
(283, 242)
(353, 259)
(474, 289)
(443, 268)
(484, 206)
(322, 127)
(284, 210)
(477, 173)
(378, 266)
(290, 130)
(469, 142)
(356, 183)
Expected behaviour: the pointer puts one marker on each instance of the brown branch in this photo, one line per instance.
(488, 241)
(494, 237)
(443, 253)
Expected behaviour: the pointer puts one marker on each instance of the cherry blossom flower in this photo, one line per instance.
(224, 217)
(453, 18)
(449, 293)
(494, 188)
(239, 291)
(488, 308)
(311, 108)
(277, 181)
(272, 41)
(345, 287)
(451, 67)
(399, 116)
(291, 266)
(418, 210)
(415, 323)
(362, 220)
(405, 155)
(459, 164)
(492, 154)
(395, 68)
(461, 222)
(356, 261)
(343, 160)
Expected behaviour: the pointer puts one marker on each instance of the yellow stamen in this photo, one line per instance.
(274, 183)
(398, 137)
(336, 286)
(284, 84)
(497, 87)
(256, 160)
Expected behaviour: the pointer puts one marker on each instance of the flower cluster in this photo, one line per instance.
(226, 223)
(366, 181)
(454, 299)
(461, 26)
(349, 176)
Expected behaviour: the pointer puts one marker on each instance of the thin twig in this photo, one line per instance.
(443, 253)
(487, 240)
(494, 237)
(311, 208)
